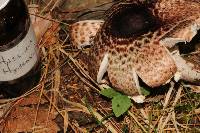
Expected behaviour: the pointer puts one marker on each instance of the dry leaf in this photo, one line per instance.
(50, 37)
(195, 89)
(21, 119)
(197, 111)
(40, 24)
(32, 99)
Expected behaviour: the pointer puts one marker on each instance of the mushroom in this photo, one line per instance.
(182, 17)
(140, 40)
(127, 44)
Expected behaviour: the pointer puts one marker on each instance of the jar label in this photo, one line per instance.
(3, 3)
(19, 60)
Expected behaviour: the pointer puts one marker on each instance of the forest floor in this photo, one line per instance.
(67, 100)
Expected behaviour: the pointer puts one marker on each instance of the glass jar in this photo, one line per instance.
(19, 53)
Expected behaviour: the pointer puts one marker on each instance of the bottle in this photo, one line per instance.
(19, 54)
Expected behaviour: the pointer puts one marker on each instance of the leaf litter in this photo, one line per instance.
(57, 103)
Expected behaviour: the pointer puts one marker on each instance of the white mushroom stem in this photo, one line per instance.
(103, 68)
(184, 35)
(138, 99)
(136, 81)
(186, 69)
(171, 42)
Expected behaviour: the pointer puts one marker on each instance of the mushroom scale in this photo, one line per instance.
(82, 32)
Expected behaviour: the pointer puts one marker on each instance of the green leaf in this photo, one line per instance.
(120, 104)
(145, 91)
(109, 92)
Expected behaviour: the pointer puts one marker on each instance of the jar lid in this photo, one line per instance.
(3, 3)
